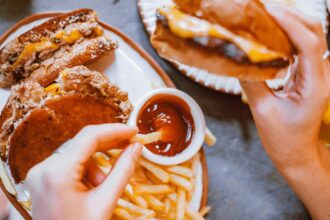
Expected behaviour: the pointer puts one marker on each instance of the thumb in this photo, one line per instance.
(105, 196)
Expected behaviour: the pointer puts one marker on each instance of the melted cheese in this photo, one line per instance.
(46, 44)
(186, 26)
(53, 89)
(69, 38)
(30, 49)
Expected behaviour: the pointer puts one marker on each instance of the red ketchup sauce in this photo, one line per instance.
(171, 116)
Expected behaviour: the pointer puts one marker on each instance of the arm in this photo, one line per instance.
(289, 121)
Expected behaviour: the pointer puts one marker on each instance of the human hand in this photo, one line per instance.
(4, 206)
(57, 186)
(289, 121)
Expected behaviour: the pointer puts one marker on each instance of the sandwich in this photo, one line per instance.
(225, 37)
(68, 40)
(37, 119)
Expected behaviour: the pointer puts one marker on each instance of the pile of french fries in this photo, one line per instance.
(156, 192)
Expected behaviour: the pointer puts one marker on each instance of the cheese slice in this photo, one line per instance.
(188, 27)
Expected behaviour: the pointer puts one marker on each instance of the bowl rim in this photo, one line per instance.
(199, 122)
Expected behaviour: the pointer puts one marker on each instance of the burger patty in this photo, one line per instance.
(226, 48)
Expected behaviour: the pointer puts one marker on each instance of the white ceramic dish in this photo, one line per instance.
(147, 9)
(131, 68)
(199, 121)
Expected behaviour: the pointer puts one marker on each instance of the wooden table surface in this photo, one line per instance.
(243, 182)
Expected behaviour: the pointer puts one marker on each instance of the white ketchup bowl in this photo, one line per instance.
(199, 124)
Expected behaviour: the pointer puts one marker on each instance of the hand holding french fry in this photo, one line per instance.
(56, 185)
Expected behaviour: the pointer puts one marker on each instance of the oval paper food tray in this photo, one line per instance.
(147, 9)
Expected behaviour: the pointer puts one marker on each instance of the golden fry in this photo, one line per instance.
(155, 203)
(193, 214)
(158, 172)
(152, 189)
(180, 204)
(181, 182)
(180, 170)
(135, 209)
(122, 213)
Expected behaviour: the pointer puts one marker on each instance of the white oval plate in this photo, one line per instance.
(129, 67)
(147, 9)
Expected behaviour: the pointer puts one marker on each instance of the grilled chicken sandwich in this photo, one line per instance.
(226, 37)
(37, 119)
(41, 53)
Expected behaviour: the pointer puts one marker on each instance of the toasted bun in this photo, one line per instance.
(246, 18)
(37, 120)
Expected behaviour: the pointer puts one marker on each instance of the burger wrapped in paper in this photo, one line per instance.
(225, 37)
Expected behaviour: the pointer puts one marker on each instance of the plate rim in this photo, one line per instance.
(163, 75)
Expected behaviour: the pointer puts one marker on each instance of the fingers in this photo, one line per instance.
(107, 194)
(300, 29)
(308, 38)
(94, 175)
(257, 92)
(97, 138)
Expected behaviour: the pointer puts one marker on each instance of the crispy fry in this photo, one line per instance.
(167, 203)
(136, 199)
(180, 204)
(147, 138)
(155, 170)
(155, 203)
(135, 209)
(181, 182)
(193, 214)
(152, 178)
(195, 163)
(210, 139)
(172, 197)
(180, 170)
(102, 160)
(152, 189)
(123, 213)
(205, 210)
(114, 152)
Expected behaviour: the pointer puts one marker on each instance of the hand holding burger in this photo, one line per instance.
(289, 121)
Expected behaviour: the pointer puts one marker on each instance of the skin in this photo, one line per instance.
(289, 121)
(57, 185)
(4, 211)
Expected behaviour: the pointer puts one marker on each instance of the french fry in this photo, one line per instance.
(182, 171)
(210, 139)
(152, 178)
(123, 213)
(193, 214)
(167, 203)
(136, 199)
(180, 204)
(155, 203)
(135, 209)
(172, 197)
(114, 152)
(152, 189)
(158, 172)
(195, 163)
(147, 138)
(181, 182)
(205, 210)
(102, 160)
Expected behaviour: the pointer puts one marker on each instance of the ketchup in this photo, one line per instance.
(171, 116)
